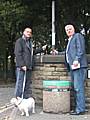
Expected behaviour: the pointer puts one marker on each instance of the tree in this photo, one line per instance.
(76, 12)
(11, 14)
(16, 14)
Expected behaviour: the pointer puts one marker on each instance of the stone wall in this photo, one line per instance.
(52, 68)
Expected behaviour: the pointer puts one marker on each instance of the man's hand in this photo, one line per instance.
(24, 68)
(44, 47)
(75, 65)
(54, 52)
(75, 62)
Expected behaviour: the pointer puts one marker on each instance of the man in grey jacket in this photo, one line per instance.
(24, 54)
(76, 59)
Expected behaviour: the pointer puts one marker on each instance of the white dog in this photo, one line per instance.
(24, 105)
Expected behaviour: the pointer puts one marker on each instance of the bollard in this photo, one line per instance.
(56, 96)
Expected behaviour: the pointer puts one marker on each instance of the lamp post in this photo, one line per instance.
(53, 23)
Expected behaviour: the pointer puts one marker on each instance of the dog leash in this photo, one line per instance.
(24, 84)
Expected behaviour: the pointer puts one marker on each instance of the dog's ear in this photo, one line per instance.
(18, 98)
(12, 100)
(33, 97)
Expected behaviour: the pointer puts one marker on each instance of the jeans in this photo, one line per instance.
(19, 92)
(78, 78)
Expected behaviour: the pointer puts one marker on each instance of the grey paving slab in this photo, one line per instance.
(6, 93)
(40, 115)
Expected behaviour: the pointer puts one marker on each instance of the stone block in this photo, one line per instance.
(56, 102)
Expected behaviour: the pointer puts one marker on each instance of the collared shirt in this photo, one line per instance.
(69, 39)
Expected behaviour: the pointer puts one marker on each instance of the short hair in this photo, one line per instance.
(26, 25)
(69, 25)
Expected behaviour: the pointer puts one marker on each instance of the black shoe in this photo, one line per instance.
(77, 113)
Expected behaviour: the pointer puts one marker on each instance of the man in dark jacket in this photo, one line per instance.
(24, 54)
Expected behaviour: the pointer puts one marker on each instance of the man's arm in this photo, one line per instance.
(19, 54)
(80, 44)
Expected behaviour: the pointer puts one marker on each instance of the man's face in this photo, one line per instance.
(27, 32)
(69, 30)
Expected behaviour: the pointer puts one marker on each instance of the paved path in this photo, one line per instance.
(39, 115)
(7, 92)
(48, 116)
(5, 95)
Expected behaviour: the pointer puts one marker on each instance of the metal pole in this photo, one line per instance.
(53, 24)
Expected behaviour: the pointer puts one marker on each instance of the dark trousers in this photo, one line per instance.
(27, 92)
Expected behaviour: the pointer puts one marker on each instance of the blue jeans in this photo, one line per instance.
(19, 83)
(78, 77)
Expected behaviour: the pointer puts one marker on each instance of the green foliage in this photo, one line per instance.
(16, 14)
(42, 35)
(76, 12)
